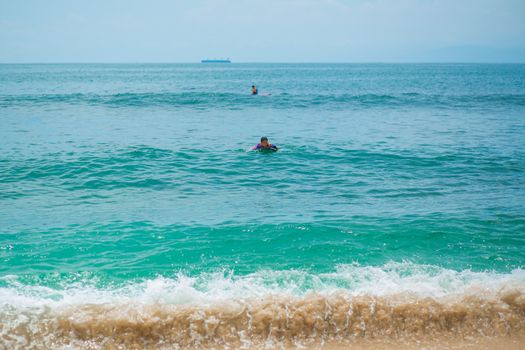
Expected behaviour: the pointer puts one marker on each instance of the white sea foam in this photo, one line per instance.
(208, 288)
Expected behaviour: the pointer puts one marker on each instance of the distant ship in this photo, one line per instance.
(216, 61)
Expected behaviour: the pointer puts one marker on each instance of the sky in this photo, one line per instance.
(262, 30)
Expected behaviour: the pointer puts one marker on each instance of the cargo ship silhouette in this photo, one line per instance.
(216, 61)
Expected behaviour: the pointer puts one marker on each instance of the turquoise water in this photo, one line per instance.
(116, 177)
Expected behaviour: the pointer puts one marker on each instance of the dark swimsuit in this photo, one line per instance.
(259, 147)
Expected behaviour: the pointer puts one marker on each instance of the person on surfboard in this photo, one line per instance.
(264, 145)
(254, 90)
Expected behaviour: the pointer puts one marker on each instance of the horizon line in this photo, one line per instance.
(272, 62)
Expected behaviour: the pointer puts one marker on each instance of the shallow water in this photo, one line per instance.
(132, 184)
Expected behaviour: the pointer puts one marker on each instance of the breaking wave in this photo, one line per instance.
(398, 302)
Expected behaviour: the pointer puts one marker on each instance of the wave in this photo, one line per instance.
(398, 302)
(146, 160)
(228, 100)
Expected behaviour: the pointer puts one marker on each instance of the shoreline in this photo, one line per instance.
(336, 321)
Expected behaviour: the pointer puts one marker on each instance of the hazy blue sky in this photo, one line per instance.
(262, 31)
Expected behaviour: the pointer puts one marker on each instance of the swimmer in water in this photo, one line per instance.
(254, 90)
(265, 145)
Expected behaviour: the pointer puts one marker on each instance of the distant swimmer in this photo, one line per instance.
(254, 90)
(265, 146)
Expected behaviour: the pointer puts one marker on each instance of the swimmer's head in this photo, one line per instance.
(264, 141)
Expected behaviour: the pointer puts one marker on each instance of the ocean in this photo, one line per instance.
(133, 215)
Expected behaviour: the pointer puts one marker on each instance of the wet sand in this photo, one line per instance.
(479, 343)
